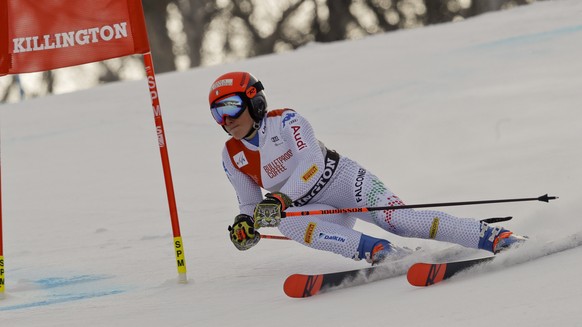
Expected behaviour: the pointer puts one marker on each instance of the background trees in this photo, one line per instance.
(191, 33)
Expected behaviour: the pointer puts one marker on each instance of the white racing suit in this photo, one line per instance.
(289, 159)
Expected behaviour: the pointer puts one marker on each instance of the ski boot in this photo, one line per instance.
(497, 239)
(375, 250)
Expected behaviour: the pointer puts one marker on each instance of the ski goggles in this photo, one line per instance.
(232, 106)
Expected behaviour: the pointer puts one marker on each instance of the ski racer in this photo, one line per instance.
(278, 151)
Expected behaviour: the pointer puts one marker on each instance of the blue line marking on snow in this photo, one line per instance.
(531, 38)
(60, 299)
(60, 281)
(55, 290)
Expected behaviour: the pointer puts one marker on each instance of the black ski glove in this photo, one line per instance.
(242, 232)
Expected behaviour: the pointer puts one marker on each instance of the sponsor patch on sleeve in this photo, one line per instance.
(331, 238)
(308, 237)
(310, 173)
(240, 159)
(434, 228)
(289, 117)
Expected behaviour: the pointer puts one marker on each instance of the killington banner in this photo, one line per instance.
(39, 35)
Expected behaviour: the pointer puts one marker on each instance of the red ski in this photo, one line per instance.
(307, 285)
(426, 274)
(300, 285)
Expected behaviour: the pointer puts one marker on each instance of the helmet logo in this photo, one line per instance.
(220, 83)
(251, 92)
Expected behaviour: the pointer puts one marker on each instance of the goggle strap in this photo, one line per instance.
(258, 86)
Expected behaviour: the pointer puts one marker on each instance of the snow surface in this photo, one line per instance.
(481, 109)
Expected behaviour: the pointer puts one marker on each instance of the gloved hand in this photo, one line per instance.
(242, 232)
(268, 212)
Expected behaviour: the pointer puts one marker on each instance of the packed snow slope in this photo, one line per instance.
(486, 108)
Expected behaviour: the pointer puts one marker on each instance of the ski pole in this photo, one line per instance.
(544, 198)
(274, 237)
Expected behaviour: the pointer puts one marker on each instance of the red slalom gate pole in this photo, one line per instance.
(275, 237)
(178, 244)
(2, 289)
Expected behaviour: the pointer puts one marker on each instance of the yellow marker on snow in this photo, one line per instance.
(180, 260)
(1, 277)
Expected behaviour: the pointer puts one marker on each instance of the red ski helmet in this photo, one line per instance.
(246, 86)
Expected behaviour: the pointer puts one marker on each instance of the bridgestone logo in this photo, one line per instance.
(70, 39)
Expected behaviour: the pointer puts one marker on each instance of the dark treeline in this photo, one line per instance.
(191, 33)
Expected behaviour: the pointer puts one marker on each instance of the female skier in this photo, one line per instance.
(277, 151)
